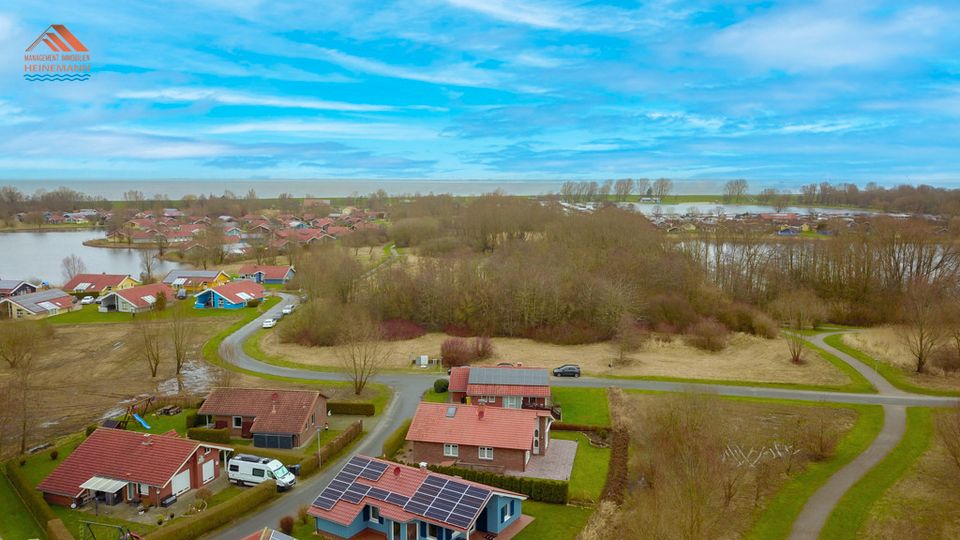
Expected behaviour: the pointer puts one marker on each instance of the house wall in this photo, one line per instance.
(234, 432)
(341, 531)
(493, 522)
(507, 458)
(58, 499)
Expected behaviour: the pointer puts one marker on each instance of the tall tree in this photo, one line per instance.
(622, 188)
(71, 265)
(180, 335)
(148, 342)
(923, 328)
(148, 260)
(798, 310)
(21, 340)
(662, 188)
(360, 351)
(734, 190)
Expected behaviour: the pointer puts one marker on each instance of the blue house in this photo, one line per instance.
(233, 295)
(275, 275)
(376, 499)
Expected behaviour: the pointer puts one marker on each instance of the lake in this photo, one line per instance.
(36, 256)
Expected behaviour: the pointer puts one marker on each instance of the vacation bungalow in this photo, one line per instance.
(233, 295)
(136, 299)
(480, 437)
(272, 418)
(274, 275)
(372, 498)
(502, 386)
(194, 281)
(37, 305)
(13, 287)
(114, 466)
(98, 284)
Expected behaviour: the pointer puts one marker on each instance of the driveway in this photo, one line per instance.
(557, 464)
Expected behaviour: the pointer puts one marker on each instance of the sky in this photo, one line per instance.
(774, 91)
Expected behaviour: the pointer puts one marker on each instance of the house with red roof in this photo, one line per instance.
(371, 498)
(233, 295)
(136, 299)
(267, 274)
(98, 284)
(501, 386)
(114, 466)
(272, 418)
(37, 305)
(476, 436)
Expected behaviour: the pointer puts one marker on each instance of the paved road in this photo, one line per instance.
(408, 387)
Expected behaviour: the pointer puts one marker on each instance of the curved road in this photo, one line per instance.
(408, 388)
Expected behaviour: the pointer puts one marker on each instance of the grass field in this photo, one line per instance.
(16, 521)
(162, 424)
(582, 405)
(851, 512)
(435, 397)
(553, 521)
(897, 376)
(88, 314)
(589, 467)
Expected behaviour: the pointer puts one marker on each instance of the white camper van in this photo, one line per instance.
(245, 469)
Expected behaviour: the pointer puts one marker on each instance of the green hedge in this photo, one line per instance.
(395, 441)
(362, 408)
(616, 483)
(221, 436)
(548, 491)
(32, 498)
(191, 420)
(56, 530)
(564, 426)
(341, 441)
(187, 528)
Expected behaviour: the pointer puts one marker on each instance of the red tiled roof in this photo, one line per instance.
(121, 455)
(507, 390)
(499, 427)
(458, 379)
(97, 282)
(293, 407)
(269, 272)
(138, 295)
(231, 291)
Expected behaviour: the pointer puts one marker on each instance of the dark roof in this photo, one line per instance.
(42, 301)
(509, 376)
(287, 415)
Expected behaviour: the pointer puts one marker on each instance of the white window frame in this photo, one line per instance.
(480, 453)
(237, 422)
(488, 399)
(374, 514)
(505, 514)
(512, 402)
(451, 450)
(436, 532)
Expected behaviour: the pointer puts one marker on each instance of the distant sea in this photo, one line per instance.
(271, 188)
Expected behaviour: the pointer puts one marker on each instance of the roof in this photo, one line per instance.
(400, 480)
(269, 272)
(267, 534)
(293, 407)
(42, 301)
(458, 379)
(191, 276)
(452, 423)
(94, 282)
(237, 292)
(117, 454)
(146, 295)
(11, 285)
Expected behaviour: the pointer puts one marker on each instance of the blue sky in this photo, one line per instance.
(782, 92)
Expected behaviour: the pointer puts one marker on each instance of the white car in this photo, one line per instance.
(269, 323)
(87, 300)
(244, 469)
(288, 309)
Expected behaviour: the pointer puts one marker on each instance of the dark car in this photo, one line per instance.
(567, 370)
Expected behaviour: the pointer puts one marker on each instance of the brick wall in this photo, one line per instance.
(508, 459)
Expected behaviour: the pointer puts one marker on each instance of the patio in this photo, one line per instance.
(557, 464)
(129, 511)
(506, 534)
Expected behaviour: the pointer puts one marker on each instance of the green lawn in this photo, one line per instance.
(553, 521)
(89, 314)
(17, 521)
(851, 512)
(162, 424)
(893, 374)
(435, 397)
(589, 467)
(582, 405)
(776, 519)
(72, 518)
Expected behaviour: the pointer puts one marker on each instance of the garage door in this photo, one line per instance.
(208, 471)
(273, 441)
(181, 482)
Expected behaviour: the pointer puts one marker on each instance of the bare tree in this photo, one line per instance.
(642, 186)
(923, 329)
(628, 339)
(147, 346)
(21, 340)
(8, 409)
(71, 265)
(798, 310)
(148, 260)
(733, 190)
(948, 429)
(361, 352)
(622, 188)
(662, 188)
(180, 336)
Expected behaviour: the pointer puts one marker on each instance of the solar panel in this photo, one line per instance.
(352, 497)
(358, 461)
(474, 491)
(437, 514)
(324, 502)
(415, 508)
(379, 494)
(459, 521)
(397, 499)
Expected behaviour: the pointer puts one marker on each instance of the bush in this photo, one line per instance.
(316, 323)
(191, 420)
(54, 454)
(569, 333)
(672, 309)
(221, 436)
(254, 303)
(483, 347)
(563, 426)
(945, 358)
(456, 352)
(203, 494)
(458, 330)
(400, 329)
(363, 408)
(708, 335)
(303, 513)
(286, 525)
(395, 441)
(90, 429)
(195, 526)
(440, 386)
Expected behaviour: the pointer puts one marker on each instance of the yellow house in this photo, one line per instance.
(194, 281)
(98, 284)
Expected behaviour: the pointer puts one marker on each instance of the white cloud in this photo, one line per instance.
(227, 97)
(329, 129)
(456, 74)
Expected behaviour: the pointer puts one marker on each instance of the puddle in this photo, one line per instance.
(195, 378)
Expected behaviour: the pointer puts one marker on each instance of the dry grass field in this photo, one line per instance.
(885, 345)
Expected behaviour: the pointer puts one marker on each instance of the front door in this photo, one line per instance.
(208, 471)
(396, 535)
(131, 491)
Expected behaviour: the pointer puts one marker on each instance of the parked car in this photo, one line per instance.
(288, 309)
(87, 300)
(269, 323)
(567, 370)
(244, 469)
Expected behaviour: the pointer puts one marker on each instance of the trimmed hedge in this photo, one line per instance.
(56, 530)
(32, 498)
(616, 482)
(395, 441)
(341, 441)
(564, 426)
(548, 491)
(187, 528)
(362, 408)
(221, 436)
(191, 420)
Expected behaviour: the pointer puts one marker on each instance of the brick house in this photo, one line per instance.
(477, 436)
(502, 386)
(117, 466)
(273, 418)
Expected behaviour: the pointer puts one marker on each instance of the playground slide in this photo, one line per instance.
(142, 423)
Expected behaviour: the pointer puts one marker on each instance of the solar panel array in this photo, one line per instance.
(345, 486)
(500, 375)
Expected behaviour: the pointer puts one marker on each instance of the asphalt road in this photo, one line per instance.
(408, 388)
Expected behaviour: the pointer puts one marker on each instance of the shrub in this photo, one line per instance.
(316, 323)
(400, 329)
(303, 513)
(56, 530)
(564, 426)
(395, 441)
(945, 358)
(708, 335)
(221, 436)
(456, 352)
(483, 347)
(764, 326)
(203, 494)
(440, 386)
(672, 309)
(286, 525)
(90, 429)
(254, 303)
(616, 483)
(190, 527)
(364, 408)
(191, 420)
(54, 454)
(569, 333)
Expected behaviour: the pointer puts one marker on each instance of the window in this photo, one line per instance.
(511, 402)
(258, 473)
(433, 532)
(451, 450)
(486, 452)
(375, 514)
(237, 422)
(206, 450)
(506, 512)
(313, 419)
(234, 468)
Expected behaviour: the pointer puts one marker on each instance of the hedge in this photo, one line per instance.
(362, 408)
(191, 420)
(32, 498)
(616, 481)
(341, 441)
(564, 426)
(56, 530)
(187, 528)
(395, 441)
(221, 436)
(548, 491)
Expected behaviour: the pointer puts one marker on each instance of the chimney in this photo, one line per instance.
(480, 411)
(423, 466)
